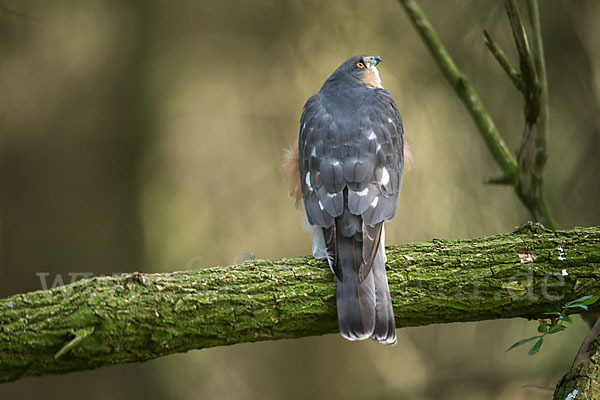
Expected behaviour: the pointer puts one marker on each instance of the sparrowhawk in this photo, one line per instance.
(347, 169)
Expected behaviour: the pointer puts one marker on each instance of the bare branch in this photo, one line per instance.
(464, 89)
(497, 52)
(526, 174)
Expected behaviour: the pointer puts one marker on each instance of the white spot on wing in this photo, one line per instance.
(321, 205)
(307, 180)
(363, 192)
(385, 177)
(378, 147)
(374, 202)
(390, 121)
(313, 152)
(336, 163)
(372, 136)
(331, 195)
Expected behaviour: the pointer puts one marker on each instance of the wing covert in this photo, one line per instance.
(363, 152)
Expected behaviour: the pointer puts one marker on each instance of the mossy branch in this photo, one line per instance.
(137, 317)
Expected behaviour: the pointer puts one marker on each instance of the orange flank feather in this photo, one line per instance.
(408, 158)
(291, 170)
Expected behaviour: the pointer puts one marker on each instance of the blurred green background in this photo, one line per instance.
(147, 136)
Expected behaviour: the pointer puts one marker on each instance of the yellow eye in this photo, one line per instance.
(360, 65)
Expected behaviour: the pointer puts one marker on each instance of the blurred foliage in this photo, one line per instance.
(147, 135)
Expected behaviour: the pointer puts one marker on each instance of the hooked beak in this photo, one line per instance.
(371, 62)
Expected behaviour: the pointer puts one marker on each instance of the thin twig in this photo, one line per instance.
(540, 66)
(533, 151)
(527, 185)
(541, 151)
(528, 71)
(465, 91)
(526, 175)
(80, 336)
(503, 61)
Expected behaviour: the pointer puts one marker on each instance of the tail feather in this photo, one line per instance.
(385, 323)
(355, 299)
(364, 305)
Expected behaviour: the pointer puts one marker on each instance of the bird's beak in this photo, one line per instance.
(370, 62)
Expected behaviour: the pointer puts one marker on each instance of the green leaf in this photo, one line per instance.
(578, 306)
(553, 313)
(566, 318)
(583, 300)
(591, 300)
(536, 347)
(541, 328)
(521, 342)
(556, 328)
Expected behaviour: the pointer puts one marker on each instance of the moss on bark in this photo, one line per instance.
(137, 317)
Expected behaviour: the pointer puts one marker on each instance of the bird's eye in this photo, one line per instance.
(360, 65)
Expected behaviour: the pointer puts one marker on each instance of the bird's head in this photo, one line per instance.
(359, 69)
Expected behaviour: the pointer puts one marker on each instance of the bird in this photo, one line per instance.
(347, 169)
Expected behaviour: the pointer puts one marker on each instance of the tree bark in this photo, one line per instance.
(137, 317)
(581, 382)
